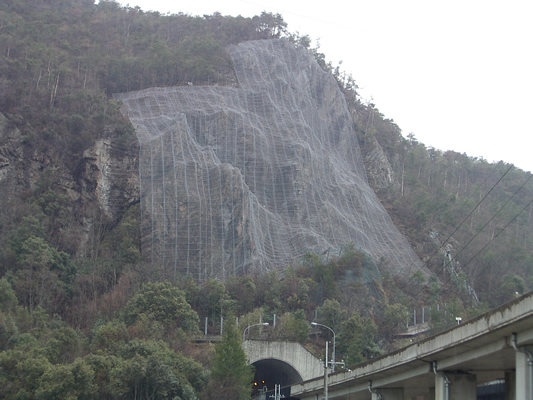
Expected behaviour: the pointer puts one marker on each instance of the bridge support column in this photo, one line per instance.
(442, 387)
(463, 387)
(455, 387)
(510, 385)
(524, 378)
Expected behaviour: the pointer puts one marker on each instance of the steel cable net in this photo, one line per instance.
(249, 178)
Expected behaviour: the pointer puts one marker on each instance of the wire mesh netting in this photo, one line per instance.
(249, 178)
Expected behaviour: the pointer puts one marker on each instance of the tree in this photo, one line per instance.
(164, 303)
(8, 298)
(511, 287)
(331, 314)
(215, 299)
(231, 374)
(294, 289)
(148, 369)
(355, 341)
(242, 289)
(108, 335)
(270, 25)
(70, 382)
(293, 326)
(43, 273)
(394, 318)
(63, 344)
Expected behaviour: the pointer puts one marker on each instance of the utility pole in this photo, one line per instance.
(277, 392)
(326, 373)
(333, 363)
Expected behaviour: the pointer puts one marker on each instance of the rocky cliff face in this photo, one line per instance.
(230, 179)
(95, 188)
(11, 155)
(250, 178)
(379, 171)
(107, 183)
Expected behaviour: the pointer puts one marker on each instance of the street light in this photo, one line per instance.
(249, 326)
(333, 353)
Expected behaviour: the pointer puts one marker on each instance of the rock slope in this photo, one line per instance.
(252, 177)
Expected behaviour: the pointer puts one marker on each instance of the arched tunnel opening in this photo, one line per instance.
(271, 372)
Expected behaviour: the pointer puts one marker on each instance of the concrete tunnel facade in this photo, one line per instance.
(283, 363)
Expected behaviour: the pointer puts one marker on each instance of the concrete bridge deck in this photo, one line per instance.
(448, 366)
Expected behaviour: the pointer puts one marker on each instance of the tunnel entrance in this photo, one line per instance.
(271, 372)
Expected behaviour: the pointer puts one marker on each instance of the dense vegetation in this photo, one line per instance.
(100, 327)
(469, 220)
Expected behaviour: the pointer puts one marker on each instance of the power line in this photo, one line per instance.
(480, 230)
(463, 267)
(425, 265)
(494, 238)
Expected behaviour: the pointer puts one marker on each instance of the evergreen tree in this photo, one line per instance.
(356, 340)
(231, 374)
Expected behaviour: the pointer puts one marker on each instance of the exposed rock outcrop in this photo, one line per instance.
(11, 155)
(102, 183)
(250, 178)
(231, 179)
(379, 171)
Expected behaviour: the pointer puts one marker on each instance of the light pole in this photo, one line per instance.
(333, 352)
(248, 327)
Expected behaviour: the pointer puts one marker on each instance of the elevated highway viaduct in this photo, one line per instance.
(495, 346)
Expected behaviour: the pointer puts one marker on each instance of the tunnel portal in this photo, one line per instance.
(270, 372)
(280, 363)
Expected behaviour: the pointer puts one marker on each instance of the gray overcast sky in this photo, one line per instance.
(458, 74)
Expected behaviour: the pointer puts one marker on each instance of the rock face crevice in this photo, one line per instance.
(251, 178)
(95, 188)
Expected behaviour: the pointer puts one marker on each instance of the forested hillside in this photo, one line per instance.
(470, 221)
(81, 316)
